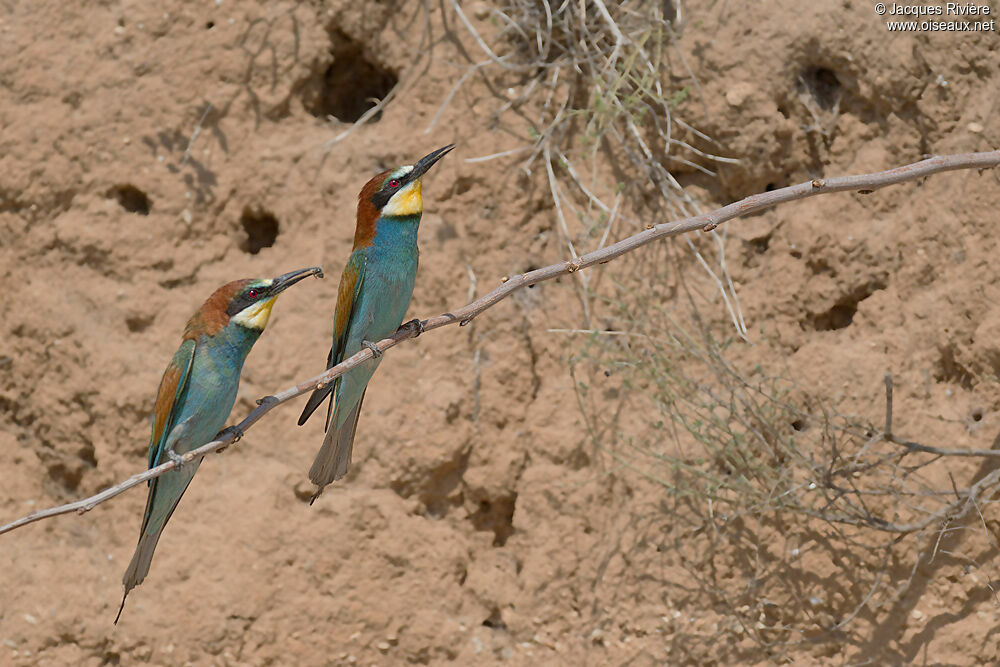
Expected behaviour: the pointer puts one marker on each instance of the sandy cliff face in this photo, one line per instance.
(479, 523)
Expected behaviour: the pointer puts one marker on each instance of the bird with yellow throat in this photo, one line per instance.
(197, 392)
(375, 291)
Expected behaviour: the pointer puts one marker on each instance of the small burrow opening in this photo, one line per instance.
(823, 85)
(67, 469)
(261, 228)
(495, 620)
(760, 244)
(977, 414)
(131, 198)
(496, 515)
(949, 369)
(799, 425)
(138, 323)
(67, 477)
(841, 314)
(352, 84)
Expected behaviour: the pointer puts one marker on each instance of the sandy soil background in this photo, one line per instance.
(479, 523)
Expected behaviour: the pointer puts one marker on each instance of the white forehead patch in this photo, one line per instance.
(403, 171)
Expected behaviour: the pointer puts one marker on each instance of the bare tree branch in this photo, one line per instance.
(965, 500)
(865, 183)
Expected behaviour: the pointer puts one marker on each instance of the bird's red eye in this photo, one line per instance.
(394, 183)
(253, 294)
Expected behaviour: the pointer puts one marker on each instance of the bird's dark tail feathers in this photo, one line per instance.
(122, 607)
(317, 398)
(138, 568)
(335, 454)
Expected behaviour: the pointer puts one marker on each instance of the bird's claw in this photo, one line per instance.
(373, 347)
(235, 433)
(413, 325)
(267, 401)
(176, 458)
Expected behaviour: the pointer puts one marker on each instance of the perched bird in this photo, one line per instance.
(196, 394)
(375, 291)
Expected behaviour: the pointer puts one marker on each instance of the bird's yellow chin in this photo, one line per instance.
(256, 315)
(407, 201)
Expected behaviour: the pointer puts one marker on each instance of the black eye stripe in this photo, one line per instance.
(381, 198)
(385, 193)
(244, 300)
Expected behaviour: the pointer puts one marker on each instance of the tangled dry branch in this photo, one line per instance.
(589, 78)
(865, 184)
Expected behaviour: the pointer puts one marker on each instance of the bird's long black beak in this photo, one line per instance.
(283, 282)
(428, 161)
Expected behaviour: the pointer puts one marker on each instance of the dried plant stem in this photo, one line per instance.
(194, 135)
(965, 500)
(707, 221)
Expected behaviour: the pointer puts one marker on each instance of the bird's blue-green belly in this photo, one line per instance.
(211, 388)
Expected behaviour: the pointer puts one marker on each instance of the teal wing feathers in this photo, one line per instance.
(348, 296)
(164, 491)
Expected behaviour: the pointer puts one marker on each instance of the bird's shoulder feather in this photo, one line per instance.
(347, 297)
(172, 386)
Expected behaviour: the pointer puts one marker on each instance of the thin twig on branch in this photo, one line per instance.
(864, 183)
(965, 500)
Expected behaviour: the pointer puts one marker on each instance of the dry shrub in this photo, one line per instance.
(587, 95)
(783, 517)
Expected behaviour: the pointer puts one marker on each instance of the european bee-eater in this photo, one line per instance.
(375, 291)
(196, 395)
